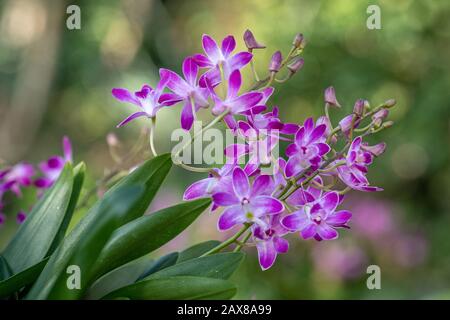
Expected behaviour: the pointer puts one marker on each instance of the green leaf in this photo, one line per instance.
(114, 210)
(150, 175)
(120, 277)
(162, 263)
(221, 266)
(5, 269)
(78, 179)
(147, 233)
(35, 236)
(197, 250)
(177, 288)
(19, 280)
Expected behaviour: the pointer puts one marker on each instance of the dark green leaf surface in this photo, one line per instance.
(177, 288)
(35, 236)
(197, 250)
(220, 266)
(150, 175)
(148, 233)
(162, 263)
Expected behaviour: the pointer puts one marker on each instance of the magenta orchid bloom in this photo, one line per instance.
(53, 166)
(353, 173)
(269, 241)
(308, 149)
(216, 57)
(194, 96)
(246, 203)
(149, 100)
(233, 103)
(16, 177)
(317, 217)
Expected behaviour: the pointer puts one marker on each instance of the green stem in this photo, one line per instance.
(151, 137)
(227, 242)
(243, 242)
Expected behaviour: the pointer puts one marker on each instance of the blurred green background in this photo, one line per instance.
(55, 82)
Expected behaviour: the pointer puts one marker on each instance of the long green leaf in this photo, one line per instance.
(78, 179)
(114, 210)
(197, 250)
(35, 236)
(147, 233)
(5, 269)
(177, 288)
(19, 280)
(221, 266)
(162, 263)
(150, 175)
(120, 277)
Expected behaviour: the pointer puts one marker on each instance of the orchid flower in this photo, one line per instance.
(149, 100)
(245, 202)
(217, 58)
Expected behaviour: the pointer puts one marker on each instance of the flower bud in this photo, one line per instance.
(296, 65)
(359, 107)
(381, 114)
(251, 42)
(388, 124)
(330, 97)
(299, 41)
(390, 103)
(275, 62)
(376, 150)
(346, 123)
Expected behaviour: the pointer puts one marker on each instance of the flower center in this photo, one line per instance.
(245, 201)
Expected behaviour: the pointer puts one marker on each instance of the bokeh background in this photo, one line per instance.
(55, 82)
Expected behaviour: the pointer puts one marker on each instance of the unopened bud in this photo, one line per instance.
(251, 42)
(275, 62)
(330, 97)
(299, 41)
(388, 124)
(296, 65)
(359, 107)
(376, 150)
(390, 103)
(381, 114)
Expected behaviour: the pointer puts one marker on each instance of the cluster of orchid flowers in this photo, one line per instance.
(13, 179)
(302, 194)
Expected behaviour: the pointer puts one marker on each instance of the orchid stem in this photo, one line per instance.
(243, 242)
(227, 242)
(151, 137)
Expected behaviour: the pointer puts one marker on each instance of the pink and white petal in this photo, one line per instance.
(309, 231)
(323, 148)
(309, 126)
(317, 133)
(235, 151)
(212, 76)
(264, 205)
(234, 84)
(245, 102)
(263, 184)
(198, 189)
(131, 117)
(266, 254)
(187, 117)
(177, 84)
(290, 128)
(326, 232)
(291, 150)
(329, 201)
(169, 99)
(300, 136)
(211, 48)
(190, 71)
(339, 218)
(241, 185)
(228, 45)
(281, 244)
(292, 167)
(230, 121)
(356, 144)
(230, 217)
(225, 199)
(239, 60)
(124, 95)
(296, 221)
(43, 183)
(252, 167)
(202, 61)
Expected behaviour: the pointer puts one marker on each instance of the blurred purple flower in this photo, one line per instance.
(20, 217)
(15, 177)
(53, 166)
(245, 203)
